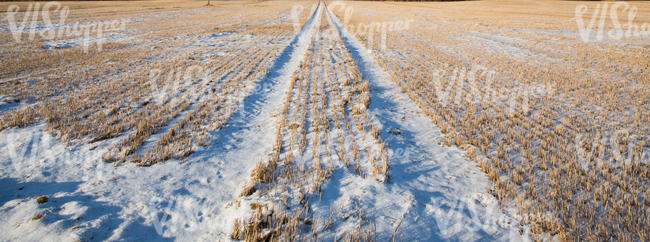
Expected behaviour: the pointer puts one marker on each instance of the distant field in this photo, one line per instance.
(299, 120)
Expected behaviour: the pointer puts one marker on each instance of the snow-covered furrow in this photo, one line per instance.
(435, 192)
(432, 193)
(310, 146)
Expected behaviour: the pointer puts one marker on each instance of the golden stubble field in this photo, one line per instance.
(558, 123)
(156, 72)
(555, 115)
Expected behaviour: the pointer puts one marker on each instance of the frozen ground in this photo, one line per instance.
(433, 192)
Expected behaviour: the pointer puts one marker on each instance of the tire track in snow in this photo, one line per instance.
(248, 134)
(436, 193)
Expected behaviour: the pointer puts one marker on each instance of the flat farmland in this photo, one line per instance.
(324, 120)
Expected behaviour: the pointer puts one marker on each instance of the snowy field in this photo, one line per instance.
(324, 120)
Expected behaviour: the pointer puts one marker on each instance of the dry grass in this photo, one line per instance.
(111, 93)
(42, 199)
(562, 130)
(37, 216)
(322, 127)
